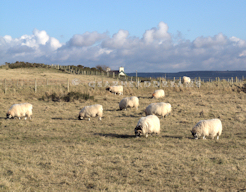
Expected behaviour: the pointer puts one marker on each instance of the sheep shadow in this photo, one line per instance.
(60, 118)
(176, 137)
(140, 97)
(123, 136)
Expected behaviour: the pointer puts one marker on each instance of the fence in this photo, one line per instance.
(35, 85)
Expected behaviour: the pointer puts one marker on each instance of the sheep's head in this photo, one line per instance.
(194, 133)
(138, 131)
(80, 118)
(8, 116)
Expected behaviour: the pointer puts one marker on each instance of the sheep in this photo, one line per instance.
(20, 110)
(129, 102)
(116, 89)
(91, 111)
(147, 125)
(158, 93)
(162, 109)
(211, 127)
(186, 80)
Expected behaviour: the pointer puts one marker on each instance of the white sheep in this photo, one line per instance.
(211, 127)
(147, 125)
(186, 80)
(129, 102)
(162, 109)
(91, 111)
(158, 93)
(116, 89)
(20, 110)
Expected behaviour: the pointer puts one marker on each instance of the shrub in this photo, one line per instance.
(70, 97)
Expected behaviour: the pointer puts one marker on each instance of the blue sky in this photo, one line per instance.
(126, 33)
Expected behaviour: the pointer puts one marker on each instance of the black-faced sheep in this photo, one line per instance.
(147, 125)
(20, 110)
(91, 111)
(211, 127)
(116, 89)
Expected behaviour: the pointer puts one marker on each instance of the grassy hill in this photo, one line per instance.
(54, 151)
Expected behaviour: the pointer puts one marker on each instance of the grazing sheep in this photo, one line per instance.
(162, 109)
(211, 127)
(91, 111)
(158, 93)
(116, 89)
(129, 102)
(186, 80)
(20, 110)
(147, 125)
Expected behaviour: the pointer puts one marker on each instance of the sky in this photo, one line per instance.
(147, 36)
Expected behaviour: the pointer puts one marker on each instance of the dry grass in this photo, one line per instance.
(56, 152)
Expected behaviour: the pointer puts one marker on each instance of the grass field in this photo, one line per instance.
(54, 151)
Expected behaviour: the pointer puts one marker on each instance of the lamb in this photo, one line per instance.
(116, 89)
(162, 109)
(147, 125)
(186, 80)
(158, 93)
(211, 127)
(91, 111)
(129, 102)
(20, 110)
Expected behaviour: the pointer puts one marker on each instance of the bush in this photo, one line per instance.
(70, 97)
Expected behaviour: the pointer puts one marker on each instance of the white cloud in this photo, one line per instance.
(86, 39)
(156, 51)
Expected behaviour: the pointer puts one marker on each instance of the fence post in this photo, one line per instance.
(136, 75)
(236, 79)
(231, 80)
(35, 85)
(113, 74)
(67, 85)
(5, 86)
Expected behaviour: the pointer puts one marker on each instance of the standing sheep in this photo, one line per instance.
(91, 111)
(186, 80)
(129, 102)
(162, 109)
(147, 125)
(158, 93)
(116, 89)
(211, 127)
(20, 110)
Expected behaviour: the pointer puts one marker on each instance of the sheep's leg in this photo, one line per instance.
(204, 137)
(146, 135)
(217, 137)
(25, 118)
(19, 118)
(100, 118)
(125, 109)
(89, 119)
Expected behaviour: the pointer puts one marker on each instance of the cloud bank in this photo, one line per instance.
(156, 51)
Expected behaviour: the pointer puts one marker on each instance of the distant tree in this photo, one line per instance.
(101, 67)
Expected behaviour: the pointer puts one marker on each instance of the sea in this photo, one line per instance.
(204, 75)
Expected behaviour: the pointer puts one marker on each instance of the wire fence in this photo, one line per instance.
(41, 84)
